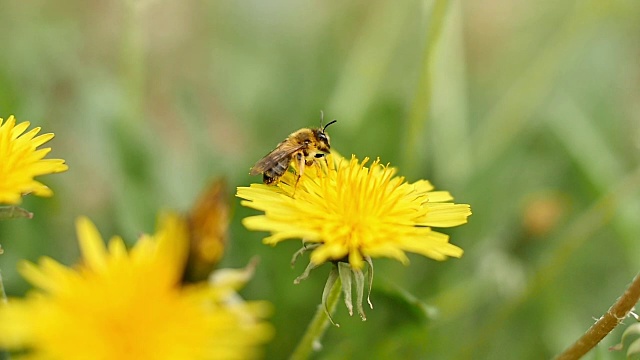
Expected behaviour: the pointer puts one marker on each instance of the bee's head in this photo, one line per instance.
(323, 138)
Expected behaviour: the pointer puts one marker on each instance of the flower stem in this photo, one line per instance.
(614, 316)
(3, 294)
(318, 325)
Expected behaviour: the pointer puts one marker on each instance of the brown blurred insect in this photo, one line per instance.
(208, 222)
(303, 146)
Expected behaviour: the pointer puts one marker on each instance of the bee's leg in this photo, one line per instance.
(301, 162)
(312, 162)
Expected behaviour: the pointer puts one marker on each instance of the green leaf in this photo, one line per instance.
(630, 336)
(632, 332)
(634, 350)
(405, 304)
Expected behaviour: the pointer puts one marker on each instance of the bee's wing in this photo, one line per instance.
(281, 152)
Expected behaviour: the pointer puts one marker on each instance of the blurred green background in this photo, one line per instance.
(528, 111)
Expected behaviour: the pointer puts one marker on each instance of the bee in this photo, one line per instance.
(303, 147)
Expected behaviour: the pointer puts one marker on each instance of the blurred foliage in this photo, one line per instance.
(528, 111)
(630, 342)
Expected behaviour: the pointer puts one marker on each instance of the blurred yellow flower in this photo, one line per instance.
(353, 212)
(20, 161)
(121, 304)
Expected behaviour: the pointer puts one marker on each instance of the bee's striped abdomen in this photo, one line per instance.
(272, 175)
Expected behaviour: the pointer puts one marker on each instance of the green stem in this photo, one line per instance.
(614, 316)
(318, 325)
(3, 294)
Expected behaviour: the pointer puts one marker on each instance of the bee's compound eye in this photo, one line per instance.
(319, 155)
(322, 137)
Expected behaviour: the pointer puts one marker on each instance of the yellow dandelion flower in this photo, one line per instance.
(350, 213)
(353, 212)
(120, 304)
(21, 161)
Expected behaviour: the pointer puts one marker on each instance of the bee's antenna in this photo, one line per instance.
(326, 126)
(321, 118)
